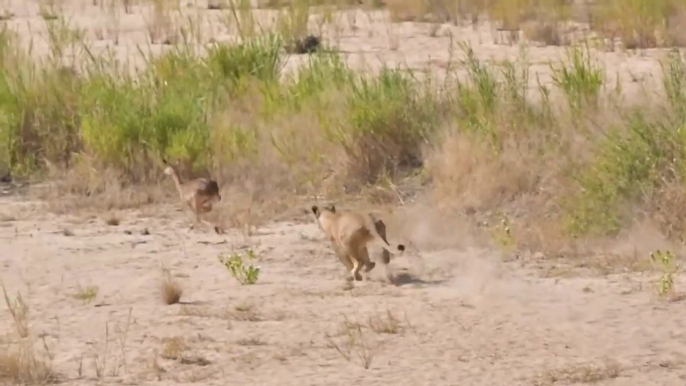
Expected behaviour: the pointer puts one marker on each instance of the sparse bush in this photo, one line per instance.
(244, 273)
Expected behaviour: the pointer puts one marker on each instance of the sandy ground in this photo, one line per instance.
(462, 315)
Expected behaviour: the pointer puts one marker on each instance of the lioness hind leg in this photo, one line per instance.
(355, 272)
(385, 255)
(368, 264)
(360, 258)
(345, 258)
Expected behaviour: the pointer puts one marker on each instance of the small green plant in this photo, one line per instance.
(502, 234)
(86, 294)
(245, 274)
(668, 267)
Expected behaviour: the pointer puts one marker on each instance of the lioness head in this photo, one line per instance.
(317, 212)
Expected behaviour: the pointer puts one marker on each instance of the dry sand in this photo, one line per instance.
(463, 316)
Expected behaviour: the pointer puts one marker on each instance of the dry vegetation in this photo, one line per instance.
(557, 157)
(21, 363)
(171, 289)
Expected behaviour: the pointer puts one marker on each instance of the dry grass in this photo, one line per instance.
(244, 307)
(583, 374)
(385, 324)
(351, 341)
(250, 342)
(170, 288)
(19, 310)
(112, 221)
(241, 313)
(20, 363)
(173, 347)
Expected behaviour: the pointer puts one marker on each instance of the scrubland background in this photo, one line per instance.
(565, 116)
(551, 133)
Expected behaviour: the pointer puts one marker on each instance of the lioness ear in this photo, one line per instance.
(331, 208)
(315, 210)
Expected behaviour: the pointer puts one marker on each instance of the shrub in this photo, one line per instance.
(632, 161)
(245, 274)
(389, 117)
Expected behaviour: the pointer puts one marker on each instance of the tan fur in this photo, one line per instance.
(350, 232)
(199, 194)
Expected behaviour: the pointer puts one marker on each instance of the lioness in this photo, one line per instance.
(349, 233)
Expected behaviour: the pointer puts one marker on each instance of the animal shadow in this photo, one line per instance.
(406, 278)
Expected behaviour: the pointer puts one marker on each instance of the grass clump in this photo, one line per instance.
(171, 289)
(19, 310)
(668, 268)
(579, 78)
(20, 363)
(389, 118)
(351, 340)
(86, 294)
(173, 347)
(385, 324)
(256, 58)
